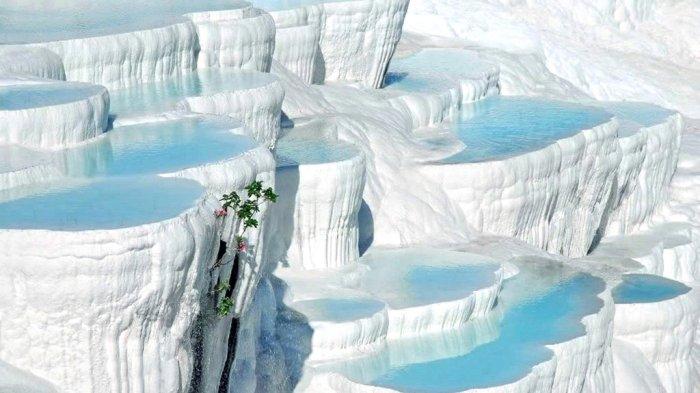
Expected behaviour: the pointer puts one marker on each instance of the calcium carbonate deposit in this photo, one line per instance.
(437, 196)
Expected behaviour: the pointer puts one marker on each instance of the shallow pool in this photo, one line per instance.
(488, 352)
(639, 112)
(75, 205)
(25, 21)
(308, 151)
(164, 95)
(646, 288)
(15, 158)
(500, 127)
(415, 277)
(156, 148)
(34, 95)
(634, 115)
(433, 70)
(338, 310)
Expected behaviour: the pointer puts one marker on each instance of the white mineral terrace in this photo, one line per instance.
(461, 209)
(74, 112)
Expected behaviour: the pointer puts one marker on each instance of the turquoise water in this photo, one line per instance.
(634, 115)
(500, 127)
(308, 151)
(161, 96)
(26, 95)
(100, 204)
(14, 158)
(338, 310)
(155, 148)
(23, 21)
(105, 190)
(497, 350)
(422, 348)
(646, 288)
(639, 112)
(432, 70)
(414, 277)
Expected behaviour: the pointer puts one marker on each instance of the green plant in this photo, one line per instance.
(223, 308)
(245, 210)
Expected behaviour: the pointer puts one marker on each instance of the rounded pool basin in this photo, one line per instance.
(647, 288)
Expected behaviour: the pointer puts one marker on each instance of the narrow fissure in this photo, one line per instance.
(203, 320)
(233, 332)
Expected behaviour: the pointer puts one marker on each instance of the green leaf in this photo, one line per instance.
(224, 307)
(222, 287)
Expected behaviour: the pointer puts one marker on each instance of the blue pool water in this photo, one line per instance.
(432, 70)
(638, 112)
(14, 158)
(633, 115)
(308, 151)
(161, 96)
(155, 148)
(646, 288)
(100, 204)
(414, 277)
(33, 95)
(500, 127)
(23, 21)
(488, 358)
(338, 310)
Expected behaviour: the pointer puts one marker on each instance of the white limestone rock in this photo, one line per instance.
(121, 59)
(442, 316)
(535, 196)
(107, 310)
(633, 372)
(358, 39)
(296, 48)
(258, 106)
(14, 380)
(649, 159)
(21, 166)
(668, 250)
(315, 223)
(582, 364)
(48, 114)
(664, 332)
(38, 62)
(300, 98)
(241, 42)
(444, 79)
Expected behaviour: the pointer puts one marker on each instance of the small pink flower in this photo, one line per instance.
(220, 212)
(242, 246)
